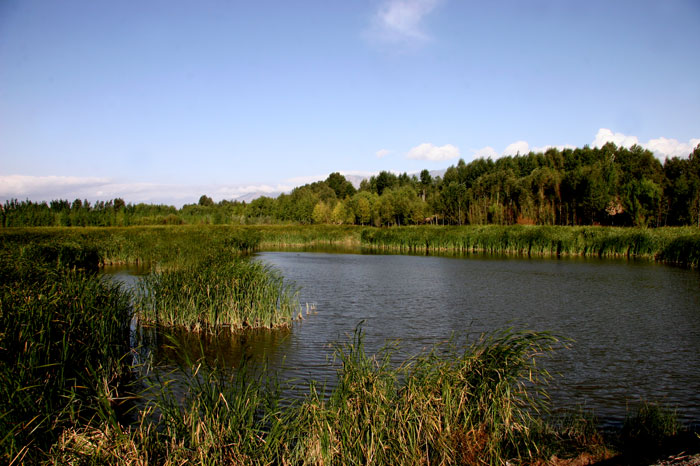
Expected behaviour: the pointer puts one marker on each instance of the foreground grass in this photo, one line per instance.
(471, 404)
(64, 335)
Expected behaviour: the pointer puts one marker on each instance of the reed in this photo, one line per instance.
(217, 292)
(64, 336)
(475, 403)
(677, 245)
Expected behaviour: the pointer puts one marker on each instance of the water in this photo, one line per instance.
(635, 325)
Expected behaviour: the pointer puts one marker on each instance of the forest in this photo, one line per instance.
(610, 185)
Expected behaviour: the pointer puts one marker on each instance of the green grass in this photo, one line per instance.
(674, 245)
(64, 345)
(173, 244)
(64, 336)
(471, 404)
(217, 292)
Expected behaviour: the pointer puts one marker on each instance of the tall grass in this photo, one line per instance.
(679, 245)
(153, 244)
(472, 404)
(216, 292)
(170, 244)
(64, 337)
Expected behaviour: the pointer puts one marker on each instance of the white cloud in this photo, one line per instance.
(47, 188)
(605, 135)
(22, 185)
(671, 147)
(382, 153)
(661, 147)
(486, 152)
(546, 148)
(401, 20)
(428, 151)
(518, 147)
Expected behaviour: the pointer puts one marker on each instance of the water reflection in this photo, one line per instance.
(164, 347)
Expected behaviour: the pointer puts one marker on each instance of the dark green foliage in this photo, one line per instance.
(648, 427)
(612, 186)
(63, 341)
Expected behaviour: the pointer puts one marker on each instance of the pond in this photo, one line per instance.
(635, 326)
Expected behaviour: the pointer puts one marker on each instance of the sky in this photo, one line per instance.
(162, 101)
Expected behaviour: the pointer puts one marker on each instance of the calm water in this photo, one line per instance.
(635, 326)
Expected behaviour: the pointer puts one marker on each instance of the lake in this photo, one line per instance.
(635, 326)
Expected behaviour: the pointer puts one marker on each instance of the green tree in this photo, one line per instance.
(206, 201)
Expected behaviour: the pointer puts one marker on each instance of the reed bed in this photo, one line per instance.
(475, 403)
(133, 245)
(215, 293)
(677, 245)
(277, 236)
(175, 244)
(64, 335)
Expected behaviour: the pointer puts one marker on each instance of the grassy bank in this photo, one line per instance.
(64, 337)
(168, 244)
(674, 245)
(471, 404)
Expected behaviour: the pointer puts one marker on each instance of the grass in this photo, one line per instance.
(471, 404)
(170, 244)
(217, 292)
(64, 355)
(674, 245)
(64, 335)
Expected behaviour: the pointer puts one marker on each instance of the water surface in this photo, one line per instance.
(635, 325)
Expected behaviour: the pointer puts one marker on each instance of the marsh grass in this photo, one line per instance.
(214, 293)
(170, 244)
(648, 427)
(63, 343)
(676, 245)
(476, 403)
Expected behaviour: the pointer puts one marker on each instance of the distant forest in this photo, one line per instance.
(587, 186)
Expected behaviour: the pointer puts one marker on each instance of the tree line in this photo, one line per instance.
(609, 185)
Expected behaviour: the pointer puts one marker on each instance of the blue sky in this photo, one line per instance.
(162, 101)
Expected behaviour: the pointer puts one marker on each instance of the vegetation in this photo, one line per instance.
(216, 292)
(176, 245)
(473, 404)
(67, 379)
(611, 185)
(64, 335)
(670, 244)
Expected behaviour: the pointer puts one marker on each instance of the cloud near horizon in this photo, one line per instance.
(661, 147)
(428, 151)
(45, 188)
